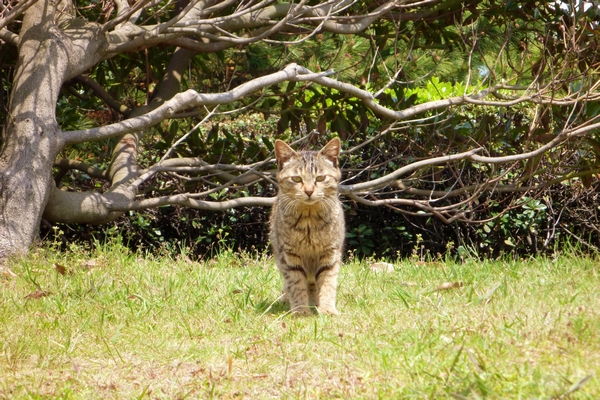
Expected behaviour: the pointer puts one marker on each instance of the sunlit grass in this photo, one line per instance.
(111, 324)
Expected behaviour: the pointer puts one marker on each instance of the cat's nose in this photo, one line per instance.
(309, 192)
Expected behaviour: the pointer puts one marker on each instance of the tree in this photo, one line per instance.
(543, 55)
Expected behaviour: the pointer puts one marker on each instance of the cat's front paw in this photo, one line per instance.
(283, 299)
(302, 311)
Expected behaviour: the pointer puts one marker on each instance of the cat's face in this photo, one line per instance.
(308, 176)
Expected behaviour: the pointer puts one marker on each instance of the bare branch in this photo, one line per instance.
(386, 179)
(8, 17)
(103, 95)
(229, 37)
(80, 166)
(191, 99)
(187, 100)
(184, 200)
(125, 12)
(293, 72)
(219, 20)
(193, 165)
(9, 37)
(358, 23)
(269, 20)
(191, 10)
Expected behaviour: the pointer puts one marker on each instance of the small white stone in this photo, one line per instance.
(382, 267)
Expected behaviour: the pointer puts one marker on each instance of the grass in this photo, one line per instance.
(111, 324)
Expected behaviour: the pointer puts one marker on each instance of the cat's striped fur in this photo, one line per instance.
(307, 226)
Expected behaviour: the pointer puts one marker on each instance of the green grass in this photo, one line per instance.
(118, 325)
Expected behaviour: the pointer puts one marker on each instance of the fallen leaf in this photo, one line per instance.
(7, 272)
(576, 386)
(37, 294)
(475, 361)
(488, 295)
(449, 285)
(60, 269)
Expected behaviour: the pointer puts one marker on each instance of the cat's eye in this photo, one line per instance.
(297, 179)
(320, 178)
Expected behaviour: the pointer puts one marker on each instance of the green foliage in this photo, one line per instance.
(452, 50)
(519, 228)
(436, 90)
(361, 238)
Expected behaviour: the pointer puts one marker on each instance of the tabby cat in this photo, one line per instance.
(307, 226)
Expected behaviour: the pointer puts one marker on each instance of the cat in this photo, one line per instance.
(307, 226)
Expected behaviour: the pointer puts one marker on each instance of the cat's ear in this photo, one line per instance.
(332, 151)
(283, 153)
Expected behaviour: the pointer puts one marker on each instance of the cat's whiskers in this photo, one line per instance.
(290, 204)
(328, 203)
(331, 206)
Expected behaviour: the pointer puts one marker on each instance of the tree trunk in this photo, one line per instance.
(32, 137)
(47, 57)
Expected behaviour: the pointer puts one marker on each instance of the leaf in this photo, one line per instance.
(38, 294)
(480, 367)
(544, 138)
(283, 123)
(321, 125)
(268, 143)
(60, 269)
(488, 295)
(531, 166)
(595, 144)
(290, 86)
(449, 285)
(576, 386)
(7, 272)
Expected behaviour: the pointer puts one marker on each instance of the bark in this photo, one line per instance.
(47, 57)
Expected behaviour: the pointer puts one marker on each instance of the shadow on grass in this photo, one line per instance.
(268, 306)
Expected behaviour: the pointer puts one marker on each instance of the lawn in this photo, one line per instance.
(108, 323)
